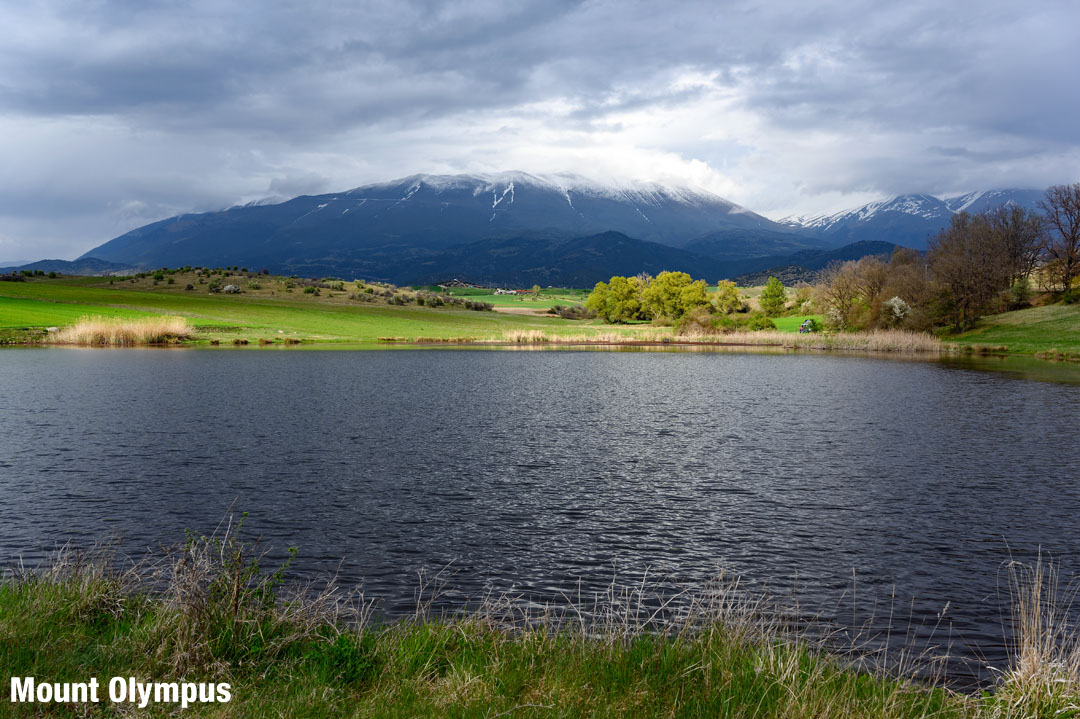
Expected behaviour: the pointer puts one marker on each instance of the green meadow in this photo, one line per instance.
(1050, 329)
(275, 309)
(269, 313)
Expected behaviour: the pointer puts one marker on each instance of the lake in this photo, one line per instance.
(907, 484)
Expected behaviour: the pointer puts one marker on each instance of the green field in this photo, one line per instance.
(278, 309)
(36, 313)
(1052, 328)
(791, 324)
(270, 312)
(547, 298)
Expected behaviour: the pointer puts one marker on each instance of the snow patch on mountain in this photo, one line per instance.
(927, 207)
(499, 183)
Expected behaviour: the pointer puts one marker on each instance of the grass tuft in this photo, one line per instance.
(119, 332)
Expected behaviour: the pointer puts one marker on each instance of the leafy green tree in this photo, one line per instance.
(726, 299)
(618, 300)
(673, 294)
(773, 298)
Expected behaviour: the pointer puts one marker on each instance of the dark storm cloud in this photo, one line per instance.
(296, 68)
(196, 98)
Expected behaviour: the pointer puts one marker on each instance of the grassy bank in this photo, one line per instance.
(278, 311)
(271, 311)
(1051, 330)
(205, 612)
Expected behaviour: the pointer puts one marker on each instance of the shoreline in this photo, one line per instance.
(205, 611)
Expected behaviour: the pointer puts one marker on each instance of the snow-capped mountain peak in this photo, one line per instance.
(908, 219)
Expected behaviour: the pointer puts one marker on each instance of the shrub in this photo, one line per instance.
(311, 290)
(159, 275)
(574, 312)
(170, 281)
(698, 321)
(759, 321)
(253, 285)
(52, 274)
(188, 286)
(894, 310)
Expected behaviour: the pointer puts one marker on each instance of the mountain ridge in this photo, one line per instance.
(909, 220)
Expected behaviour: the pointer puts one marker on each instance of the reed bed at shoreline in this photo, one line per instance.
(209, 610)
(874, 341)
(119, 332)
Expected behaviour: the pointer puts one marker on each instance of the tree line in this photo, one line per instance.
(674, 298)
(980, 264)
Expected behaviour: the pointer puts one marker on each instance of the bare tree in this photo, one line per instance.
(1022, 236)
(1062, 210)
(970, 261)
(837, 293)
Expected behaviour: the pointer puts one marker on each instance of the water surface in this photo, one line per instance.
(549, 472)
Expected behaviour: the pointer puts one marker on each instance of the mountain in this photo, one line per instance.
(976, 202)
(908, 220)
(805, 266)
(82, 266)
(375, 230)
(573, 262)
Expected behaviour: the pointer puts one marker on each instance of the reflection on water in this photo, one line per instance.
(548, 471)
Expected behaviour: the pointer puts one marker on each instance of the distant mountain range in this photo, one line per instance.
(908, 220)
(516, 228)
(87, 266)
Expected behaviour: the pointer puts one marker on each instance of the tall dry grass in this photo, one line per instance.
(117, 332)
(1045, 646)
(874, 341)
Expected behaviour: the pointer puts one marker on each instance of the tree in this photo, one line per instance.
(1062, 209)
(618, 300)
(672, 294)
(536, 290)
(726, 299)
(1022, 236)
(773, 298)
(970, 261)
(837, 294)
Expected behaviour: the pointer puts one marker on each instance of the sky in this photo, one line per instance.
(118, 113)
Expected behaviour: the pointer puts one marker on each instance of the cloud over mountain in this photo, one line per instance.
(119, 113)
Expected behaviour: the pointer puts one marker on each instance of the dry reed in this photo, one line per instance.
(117, 332)
(1045, 647)
(874, 341)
